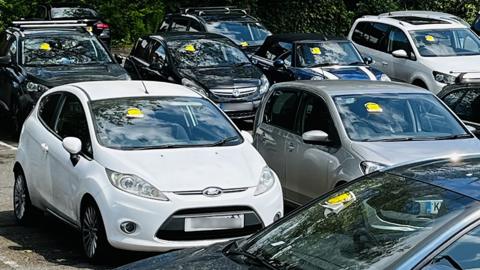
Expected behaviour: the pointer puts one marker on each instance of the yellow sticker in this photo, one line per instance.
(89, 29)
(45, 46)
(134, 113)
(429, 38)
(316, 50)
(342, 198)
(373, 107)
(190, 48)
(244, 44)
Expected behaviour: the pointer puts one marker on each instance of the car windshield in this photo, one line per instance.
(396, 117)
(206, 53)
(327, 53)
(366, 225)
(252, 33)
(161, 122)
(63, 50)
(446, 42)
(72, 12)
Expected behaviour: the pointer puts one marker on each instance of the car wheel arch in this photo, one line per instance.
(420, 83)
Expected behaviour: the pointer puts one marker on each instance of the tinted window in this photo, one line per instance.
(281, 109)
(72, 122)
(196, 26)
(179, 24)
(72, 12)
(314, 115)
(469, 107)
(278, 49)
(366, 225)
(452, 98)
(166, 23)
(383, 117)
(40, 13)
(161, 122)
(159, 54)
(399, 41)
(47, 108)
(250, 32)
(372, 35)
(140, 50)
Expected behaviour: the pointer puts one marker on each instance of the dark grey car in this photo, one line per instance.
(424, 215)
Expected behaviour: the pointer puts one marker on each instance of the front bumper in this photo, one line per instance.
(240, 110)
(150, 216)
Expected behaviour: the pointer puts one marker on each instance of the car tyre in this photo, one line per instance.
(94, 238)
(22, 206)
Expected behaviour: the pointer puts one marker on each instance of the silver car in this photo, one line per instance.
(317, 135)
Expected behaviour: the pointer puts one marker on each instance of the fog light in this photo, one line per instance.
(128, 227)
(277, 216)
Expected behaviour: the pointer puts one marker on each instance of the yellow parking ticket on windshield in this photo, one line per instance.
(134, 113)
(342, 198)
(316, 50)
(190, 48)
(89, 29)
(429, 38)
(244, 44)
(45, 46)
(373, 107)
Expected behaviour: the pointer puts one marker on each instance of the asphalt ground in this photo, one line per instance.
(47, 243)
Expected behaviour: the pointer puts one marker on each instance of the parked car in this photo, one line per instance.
(234, 23)
(288, 57)
(36, 56)
(426, 51)
(425, 13)
(317, 135)
(207, 63)
(75, 11)
(424, 215)
(464, 99)
(144, 166)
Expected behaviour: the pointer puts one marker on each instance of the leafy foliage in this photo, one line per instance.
(131, 19)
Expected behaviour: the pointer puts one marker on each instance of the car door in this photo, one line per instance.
(277, 122)
(400, 69)
(66, 176)
(37, 138)
(136, 63)
(158, 68)
(309, 166)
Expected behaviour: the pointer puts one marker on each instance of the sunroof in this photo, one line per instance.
(420, 20)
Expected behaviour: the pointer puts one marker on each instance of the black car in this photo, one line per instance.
(74, 11)
(208, 63)
(35, 57)
(424, 215)
(243, 29)
(311, 56)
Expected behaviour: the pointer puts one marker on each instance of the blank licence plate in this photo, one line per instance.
(235, 221)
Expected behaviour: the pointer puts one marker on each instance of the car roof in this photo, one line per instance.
(98, 90)
(187, 35)
(352, 87)
(416, 21)
(457, 173)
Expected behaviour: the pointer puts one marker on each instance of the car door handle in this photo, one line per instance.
(44, 147)
(384, 63)
(291, 147)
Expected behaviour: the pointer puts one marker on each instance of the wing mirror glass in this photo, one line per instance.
(315, 136)
(73, 146)
(400, 54)
(368, 60)
(278, 64)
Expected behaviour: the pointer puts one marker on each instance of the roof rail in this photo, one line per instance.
(49, 24)
(213, 10)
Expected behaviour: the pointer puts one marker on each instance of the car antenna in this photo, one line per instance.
(145, 87)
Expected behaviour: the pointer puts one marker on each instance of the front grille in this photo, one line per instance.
(200, 192)
(228, 92)
(173, 228)
(241, 114)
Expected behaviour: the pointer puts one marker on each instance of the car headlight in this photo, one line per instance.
(194, 86)
(267, 179)
(317, 78)
(264, 84)
(370, 166)
(444, 78)
(135, 185)
(385, 78)
(35, 87)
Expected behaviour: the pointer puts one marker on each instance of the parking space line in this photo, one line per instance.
(8, 145)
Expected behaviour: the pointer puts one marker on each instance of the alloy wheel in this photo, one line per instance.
(19, 197)
(90, 229)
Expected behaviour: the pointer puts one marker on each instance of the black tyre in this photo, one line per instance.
(22, 206)
(94, 239)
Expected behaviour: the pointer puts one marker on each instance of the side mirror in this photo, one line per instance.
(5, 60)
(368, 60)
(279, 64)
(157, 65)
(247, 136)
(400, 54)
(315, 136)
(73, 146)
(471, 128)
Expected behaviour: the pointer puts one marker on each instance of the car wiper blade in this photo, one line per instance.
(453, 137)
(256, 259)
(355, 63)
(224, 141)
(323, 65)
(242, 64)
(389, 139)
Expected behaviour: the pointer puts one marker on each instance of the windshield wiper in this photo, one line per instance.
(453, 137)
(389, 139)
(355, 63)
(224, 141)
(242, 64)
(236, 251)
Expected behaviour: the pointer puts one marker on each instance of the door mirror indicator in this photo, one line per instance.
(279, 64)
(315, 136)
(400, 54)
(368, 60)
(247, 136)
(73, 146)
(5, 60)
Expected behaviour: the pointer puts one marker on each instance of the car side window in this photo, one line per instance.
(140, 50)
(47, 108)
(453, 98)
(278, 49)
(12, 51)
(468, 108)
(399, 41)
(461, 254)
(72, 122)
(159, 53)
(281, 109)
(165, 24)
(372, 35)
(314, 115)
(179, 24)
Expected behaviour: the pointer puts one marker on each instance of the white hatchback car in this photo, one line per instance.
(426, 49)
(144, 166)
